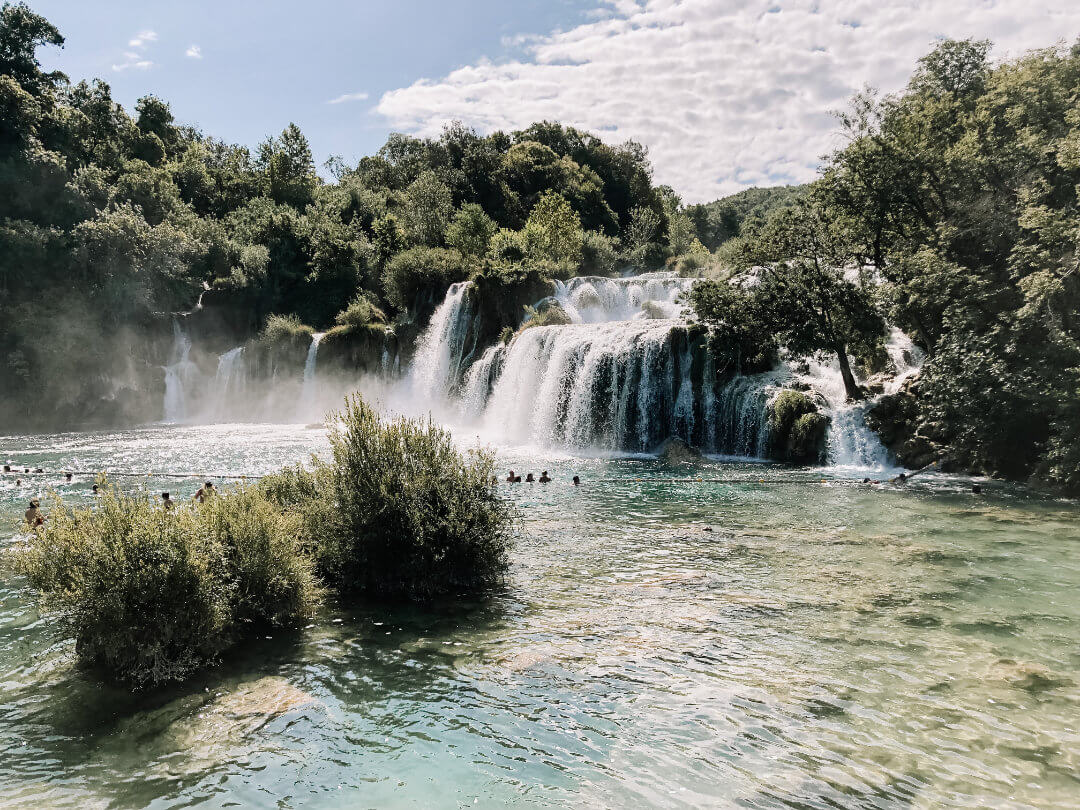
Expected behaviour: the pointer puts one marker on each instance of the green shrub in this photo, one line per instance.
(599, 254)
(796, 429)
(285, 328)
(421, 268)
(553, 315)
(151, 595)
(410, 516)
(361, 313)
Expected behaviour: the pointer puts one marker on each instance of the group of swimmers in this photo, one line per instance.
(544, 478)
(35, 517)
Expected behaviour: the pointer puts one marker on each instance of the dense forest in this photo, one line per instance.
(110, 220)
(951, 213)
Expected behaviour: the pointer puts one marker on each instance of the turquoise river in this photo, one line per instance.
(807, 642)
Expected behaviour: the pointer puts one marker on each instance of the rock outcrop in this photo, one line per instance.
(797, 429)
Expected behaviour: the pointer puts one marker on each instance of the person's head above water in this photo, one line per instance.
(577, 481)
(94, 488)
(529, 477)
(209, 485)
(67, 476)
(164, 496)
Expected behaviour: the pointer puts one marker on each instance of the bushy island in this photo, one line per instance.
(951, 213)
(152, 595)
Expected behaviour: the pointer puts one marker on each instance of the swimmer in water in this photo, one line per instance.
(94, 490)
(529, 479)
(510, 478)
(544, 477)
(577, 481)
(205, 493)
(34, 516)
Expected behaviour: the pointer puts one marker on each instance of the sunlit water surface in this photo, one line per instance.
(825, 645)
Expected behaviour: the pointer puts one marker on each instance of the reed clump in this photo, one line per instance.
(152, 595)
(398, 511)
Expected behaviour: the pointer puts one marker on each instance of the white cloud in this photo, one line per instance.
(142, 38)
(194, 52)
(348, 97)
(726, 94)
(134, 59)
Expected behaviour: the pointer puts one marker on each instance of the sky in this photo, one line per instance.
(725, 95)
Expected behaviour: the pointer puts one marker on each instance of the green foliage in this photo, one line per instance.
(796, 429)
(362, 312)
(553, 231)
(743, 213)
(152, 595)
(428, 207)
(421, 269)
(285, 329)
(599, 254)
(553, 315)
(398, 511)
(471, 231)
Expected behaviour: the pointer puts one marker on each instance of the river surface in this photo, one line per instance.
(826, 644)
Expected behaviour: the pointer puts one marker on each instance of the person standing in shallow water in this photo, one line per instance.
(205, 492)
(34, 516)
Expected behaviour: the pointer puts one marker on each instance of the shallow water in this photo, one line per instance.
(825, 645)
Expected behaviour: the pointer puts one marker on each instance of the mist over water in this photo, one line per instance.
(621, 377)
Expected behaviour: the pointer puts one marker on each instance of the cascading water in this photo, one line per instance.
(308, 386)
(622, 376)
(180, 373)
(228, 383)
(437, 363)
(850, 442)
(595, 299)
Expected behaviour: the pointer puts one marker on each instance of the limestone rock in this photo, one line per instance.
(675, 451)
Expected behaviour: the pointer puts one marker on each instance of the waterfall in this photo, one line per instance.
(595, 299)
(228, 383)
(308, 387)
(436, 366)
(180, 373)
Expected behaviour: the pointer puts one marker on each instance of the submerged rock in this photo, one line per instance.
(675, 451)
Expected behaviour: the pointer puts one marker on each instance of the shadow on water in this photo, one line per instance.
(263, 699)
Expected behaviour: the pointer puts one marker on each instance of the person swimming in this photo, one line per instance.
(577, 481)
(510, 478)
(206, 492)
(34, 515)
(67, 477)
(167, 501)
(94, 490)
(529, 479)
(544, 477)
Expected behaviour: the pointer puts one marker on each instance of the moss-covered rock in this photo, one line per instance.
(896, 420)
(797, 429)
(675, 451)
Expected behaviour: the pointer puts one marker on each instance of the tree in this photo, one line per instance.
(802, 293)
(22, 32)
(428, 206)
(289, 168)
(553, 231)
(470, 231)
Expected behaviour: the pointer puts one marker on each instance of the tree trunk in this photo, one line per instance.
(854, 393)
